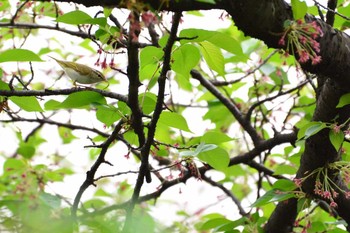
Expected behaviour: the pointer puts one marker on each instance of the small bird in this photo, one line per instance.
(80, 73)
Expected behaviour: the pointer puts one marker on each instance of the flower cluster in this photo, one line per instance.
(325, 187)
(301, 40)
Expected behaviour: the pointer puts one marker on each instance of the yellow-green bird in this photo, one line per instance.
(80, 73)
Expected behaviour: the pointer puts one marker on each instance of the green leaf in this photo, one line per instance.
(66, 135)
(94, 203)
(74, 17)
(174, 120)
(272, 196)
(285, 169)
(12, 165)
(150, 55)
(185, 58)
(27, 103)
(206, 1)
(4, 86)
(202, 147)
(148, 102)
(285, 185)
(4, 5)
(214, 223)
(107, 11)
(344, 100)
(107, 114)
(299, 9)
(18, 55)
(26, 150)
(80, 99)
(310, 129)
(336, 139)
(58, 175)
(150, 60)
(219, 39)
(50, 200)
(215, 137)
(213, 57)
(218, 158)
(101, 21)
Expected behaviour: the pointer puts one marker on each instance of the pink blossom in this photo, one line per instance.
(336, 128)
(327, 194)
(278, 72)
(314, 35)
(111, 64)
(104, 64)
(303, 39)
(297, 182)
(308, 224)
(97, 63)
(333, 204)
(318, 191)
(318, 184)
(347, 195)
(304, 56)
(317, 28)
(148, 18)
(296, 223)
(316, 60)
(335, 194)
(282, 41)
(315, 45)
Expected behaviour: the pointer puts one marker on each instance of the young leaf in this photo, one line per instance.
(272, 196)
(77, 100)
(174, 120)
(27, 103)
(285, 169)
(50, 200)
(285, 185)
(214, 223)
(344, 100)
(185, 58)
(66, 135)
(218, 158)
(336, 139)
(74, 17)
(206, 1)
(26, 150)
(107, 114)
(213, 57)
(310, 129)
(15, 55)
(219, 39)
(215, 137)
(200, 148)
(299, 9)
(148, 102)
(150, 55)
